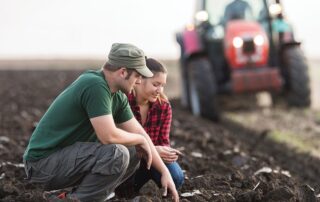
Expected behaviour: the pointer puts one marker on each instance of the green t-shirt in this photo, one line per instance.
(68, 118)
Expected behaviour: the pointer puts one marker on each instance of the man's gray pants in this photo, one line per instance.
(93, 169)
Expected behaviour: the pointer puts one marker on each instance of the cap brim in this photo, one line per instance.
(145, 71)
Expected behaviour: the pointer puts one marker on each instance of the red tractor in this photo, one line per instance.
(240, 47)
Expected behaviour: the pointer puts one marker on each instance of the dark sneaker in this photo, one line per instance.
(58, 196)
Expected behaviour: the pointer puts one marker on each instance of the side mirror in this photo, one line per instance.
(275, 10)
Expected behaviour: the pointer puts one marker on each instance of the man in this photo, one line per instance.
(237, 9)
(88, 137)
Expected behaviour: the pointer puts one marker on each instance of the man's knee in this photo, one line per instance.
(123, 153)
(122, 157)
(113, 160)
(133, 154)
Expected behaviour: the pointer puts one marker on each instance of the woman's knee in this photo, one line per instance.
(176, 174)
(178, 179)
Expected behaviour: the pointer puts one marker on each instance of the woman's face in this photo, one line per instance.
(150, 88)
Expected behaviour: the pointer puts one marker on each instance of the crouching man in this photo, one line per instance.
(88, 139)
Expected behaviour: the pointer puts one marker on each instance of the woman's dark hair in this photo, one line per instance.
(156, 67)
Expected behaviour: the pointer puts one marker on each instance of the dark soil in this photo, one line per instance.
(221, 161)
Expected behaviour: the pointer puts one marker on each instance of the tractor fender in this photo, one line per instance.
(287, 44)
(190, 43)
(285, 31)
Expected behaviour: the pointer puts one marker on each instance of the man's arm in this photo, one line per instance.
(108, 133)
(134, 126)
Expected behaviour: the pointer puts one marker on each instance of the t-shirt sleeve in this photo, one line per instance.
(96, 100)
(124, 111)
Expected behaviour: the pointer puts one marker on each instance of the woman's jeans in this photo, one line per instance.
(143, 175)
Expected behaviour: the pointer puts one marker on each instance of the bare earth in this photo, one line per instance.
(256, 153)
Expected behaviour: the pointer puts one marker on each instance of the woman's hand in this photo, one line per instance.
(168, 154)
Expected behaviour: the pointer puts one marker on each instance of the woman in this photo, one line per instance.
(152, 109)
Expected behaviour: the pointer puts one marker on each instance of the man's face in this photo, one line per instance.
(129, 82)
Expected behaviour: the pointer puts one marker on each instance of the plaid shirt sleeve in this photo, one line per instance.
(166, 118)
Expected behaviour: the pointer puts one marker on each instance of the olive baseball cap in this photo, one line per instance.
(129, 56)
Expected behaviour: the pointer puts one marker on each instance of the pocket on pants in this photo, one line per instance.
(40, 177)
(82, 158)
(112, 162)
(36, 175)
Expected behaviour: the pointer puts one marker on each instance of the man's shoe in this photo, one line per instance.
(58, 196)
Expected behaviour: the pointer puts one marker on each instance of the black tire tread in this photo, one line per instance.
(299, 82)
(201, 74)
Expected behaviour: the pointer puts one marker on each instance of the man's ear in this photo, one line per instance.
(123, 72)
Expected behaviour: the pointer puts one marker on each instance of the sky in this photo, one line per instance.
(87, 29)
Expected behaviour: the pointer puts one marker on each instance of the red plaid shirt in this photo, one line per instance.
(158, 120)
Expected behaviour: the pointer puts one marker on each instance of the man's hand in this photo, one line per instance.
(167, 183)
(168, 154)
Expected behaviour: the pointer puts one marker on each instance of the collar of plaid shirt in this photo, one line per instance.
(158, 120)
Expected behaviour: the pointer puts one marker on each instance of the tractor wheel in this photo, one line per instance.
(202, 89)
(185, 98)
(296, 68)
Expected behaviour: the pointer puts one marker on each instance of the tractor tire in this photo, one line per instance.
(202, 89)
(296, 68)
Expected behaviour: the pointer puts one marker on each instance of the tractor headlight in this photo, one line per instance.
(258, 40)
(237, 42)
(202, 16)
(275, 9)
